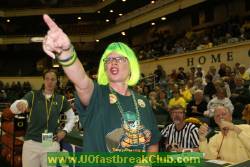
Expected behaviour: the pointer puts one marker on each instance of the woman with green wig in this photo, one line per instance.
(114, 117)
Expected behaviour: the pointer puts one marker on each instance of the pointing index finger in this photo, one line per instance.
(50, 23)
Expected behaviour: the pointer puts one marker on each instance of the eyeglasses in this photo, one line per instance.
(220, 115)
(119, 59)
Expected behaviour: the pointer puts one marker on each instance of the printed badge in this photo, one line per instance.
(141, 103)
(112, 98)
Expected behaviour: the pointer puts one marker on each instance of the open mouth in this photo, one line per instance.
(114, 70)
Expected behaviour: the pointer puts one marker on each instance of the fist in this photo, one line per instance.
(60, 135)
(206, 113)
(22, 106)
(225, 125)
(203, 130)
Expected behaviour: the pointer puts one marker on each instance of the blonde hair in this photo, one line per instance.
(126, 51)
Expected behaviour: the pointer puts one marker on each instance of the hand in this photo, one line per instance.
(22, 106)
(206, 113)
(203, 130)
(176, 149)
(209, 113)
(60, 135)
(173, 147)
(56, 41)
(225, 126)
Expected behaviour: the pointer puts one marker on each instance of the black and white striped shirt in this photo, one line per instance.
(187, 137)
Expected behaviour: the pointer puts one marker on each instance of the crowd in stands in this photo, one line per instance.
(166, 43)
(200, 110)
(15, 90)
(198, 91)
(184, 101)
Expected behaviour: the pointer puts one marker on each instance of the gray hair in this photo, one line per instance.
(224, 107)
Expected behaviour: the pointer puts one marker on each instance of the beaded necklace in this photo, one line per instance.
(121, 110)
(120, 107)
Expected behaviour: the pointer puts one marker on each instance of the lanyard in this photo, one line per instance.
(218, 155)
(48, 110)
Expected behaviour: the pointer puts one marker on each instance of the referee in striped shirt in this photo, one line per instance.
(180, 136)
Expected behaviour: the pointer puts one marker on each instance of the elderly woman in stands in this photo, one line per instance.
(197, 106)
(219, 100)
(198, 84)
(219, 83)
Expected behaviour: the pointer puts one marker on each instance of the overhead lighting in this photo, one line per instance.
(107, 20)
(123, 33)
(79, 18)
(152, 2)
(8, 20)
(153, 23)
(120, 14)
(111, 11)
(163, 18)
(123, 0)
(97, 40)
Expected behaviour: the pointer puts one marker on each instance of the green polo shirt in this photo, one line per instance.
(37, 121)
(103, 123)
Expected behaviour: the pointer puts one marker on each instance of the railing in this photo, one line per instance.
(3, 105)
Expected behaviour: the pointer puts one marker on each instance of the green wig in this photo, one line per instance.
(126, 51)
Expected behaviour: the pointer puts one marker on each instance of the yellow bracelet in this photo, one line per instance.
(69, 61)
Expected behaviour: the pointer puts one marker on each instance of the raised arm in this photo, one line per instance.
(56, 42)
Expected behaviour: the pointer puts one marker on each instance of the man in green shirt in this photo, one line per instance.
(44, 107)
